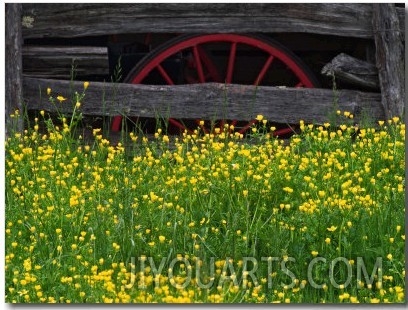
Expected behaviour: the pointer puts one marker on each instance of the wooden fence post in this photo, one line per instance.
(14, 67)
(389, 58)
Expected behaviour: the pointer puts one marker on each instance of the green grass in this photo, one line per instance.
(92, 222)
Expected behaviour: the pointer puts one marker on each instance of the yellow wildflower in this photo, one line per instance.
(61, 98)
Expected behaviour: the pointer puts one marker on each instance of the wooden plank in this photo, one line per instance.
(13, 66)
(56, 61)
(389, 58)
(206, 101)
(353, 70)
(85, 19)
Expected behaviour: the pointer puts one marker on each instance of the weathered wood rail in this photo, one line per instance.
(57, 61)
(205, 101)
(84, 19)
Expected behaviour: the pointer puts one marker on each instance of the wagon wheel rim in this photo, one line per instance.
(204, 69)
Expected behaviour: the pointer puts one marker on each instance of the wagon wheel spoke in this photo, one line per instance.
(265, 68)
(164, 74)
(231, 61)
(221, 125)
(179, 125)
(210, 66)
(300, 84)
(199, 66)
(283, 131)
(200, 61)
(234, 122)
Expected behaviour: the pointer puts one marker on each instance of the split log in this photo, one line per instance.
(58, 61)
(85, 19)
(389, 58)
(353, 70)
(13, 66)
(204, 101)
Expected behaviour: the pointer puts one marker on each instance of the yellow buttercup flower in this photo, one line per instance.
(61, 98)
(86, 84)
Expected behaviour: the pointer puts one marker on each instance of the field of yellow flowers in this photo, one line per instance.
(209, 219)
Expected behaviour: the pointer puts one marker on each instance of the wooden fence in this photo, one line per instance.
(382, 23)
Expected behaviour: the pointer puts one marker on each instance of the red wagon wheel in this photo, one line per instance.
(223, 58)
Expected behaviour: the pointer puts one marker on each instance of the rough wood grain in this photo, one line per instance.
(13, 66)
(56, 61)
(205, 101)
(353, 70)
(84, 19)
(389, 58)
